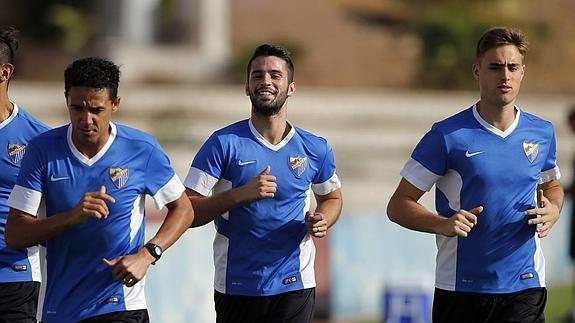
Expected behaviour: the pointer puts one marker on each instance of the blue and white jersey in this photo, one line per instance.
(130, 165)
(475, 164)
(15, 133)
(262, 248)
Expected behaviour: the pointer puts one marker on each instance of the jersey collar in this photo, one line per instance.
(11, 117)
(496, 131)
(84, 159)
(266, 143)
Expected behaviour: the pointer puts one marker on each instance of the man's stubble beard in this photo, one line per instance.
(268, 109)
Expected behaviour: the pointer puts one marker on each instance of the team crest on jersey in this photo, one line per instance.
(298, 164)
(531, 150)
(119, 176)
(16, 152)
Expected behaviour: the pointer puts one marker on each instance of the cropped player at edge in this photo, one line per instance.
(497, 194)
(93, 176)
(19, 268)
(260, 173)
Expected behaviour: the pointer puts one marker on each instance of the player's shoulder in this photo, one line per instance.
(533, 119)
(234, 128)
(32, 121)
(310, 137)
(136, 136)
(232, 132)
(455, 121)
(52, 134)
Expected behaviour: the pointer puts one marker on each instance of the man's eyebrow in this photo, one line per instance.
(504, 64)
(261, 71)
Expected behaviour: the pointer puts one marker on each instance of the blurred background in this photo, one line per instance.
(372, 76)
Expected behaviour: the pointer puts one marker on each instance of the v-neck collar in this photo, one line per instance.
(266, 143)
(11, 117)
(81, 157)
(493, 129)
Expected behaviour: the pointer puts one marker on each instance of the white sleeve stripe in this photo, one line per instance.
(327, 187)
(549, 175)
(418, 175)
(169, 192)
(25, 199)
(200, 181)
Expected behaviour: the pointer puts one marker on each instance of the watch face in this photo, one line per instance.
(158, 251)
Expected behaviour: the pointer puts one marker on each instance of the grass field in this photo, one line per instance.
(560, 302)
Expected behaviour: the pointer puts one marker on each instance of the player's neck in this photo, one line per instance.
(90, 149)
(273, 128)
(6, 106)
(501, 117)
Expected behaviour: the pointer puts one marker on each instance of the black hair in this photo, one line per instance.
(8, 45)
(273, 50)
(93, 72)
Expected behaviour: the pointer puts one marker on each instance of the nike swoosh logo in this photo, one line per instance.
(468, 154)
(243, 163)
(55, 179)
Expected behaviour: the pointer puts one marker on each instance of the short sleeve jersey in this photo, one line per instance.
(130, 165)
(471, 164)
(262, 248)
(15, 133)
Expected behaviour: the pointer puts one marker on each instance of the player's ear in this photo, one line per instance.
(291, 89)
(475, 70)
(6, 71)
(116, 104)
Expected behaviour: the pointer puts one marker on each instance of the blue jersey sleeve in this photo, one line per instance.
(431, 152)
(27, 193)
(327, 169)
(210, 158)
(550, 170)
(158, 171)
(33, 169)
(551, 160)
(161, 181)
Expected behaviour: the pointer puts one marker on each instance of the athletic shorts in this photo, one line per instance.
(290, 307)
(135, 316)
(526, 306)
(19, 302)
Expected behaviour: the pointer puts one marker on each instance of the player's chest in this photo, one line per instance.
(118, 175)
(12, 150)
(490, 156)
(294, 165)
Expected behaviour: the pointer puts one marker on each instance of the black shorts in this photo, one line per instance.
(295, 307)
(19, 302)
(526, 306)
(135, 316)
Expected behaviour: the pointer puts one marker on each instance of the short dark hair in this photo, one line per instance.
(8, 45)
(277, 51)
(500, 36)
(93, 72)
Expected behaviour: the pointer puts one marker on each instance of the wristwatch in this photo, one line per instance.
(155, 251)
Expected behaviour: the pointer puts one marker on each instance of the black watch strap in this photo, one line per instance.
(155, 250)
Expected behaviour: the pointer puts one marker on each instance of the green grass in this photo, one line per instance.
(560, 301)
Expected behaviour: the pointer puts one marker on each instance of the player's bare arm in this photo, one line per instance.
(405, 210)
(550, 201)
(207, 209)
(326, 213)
(24, 230)
(130, 269)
